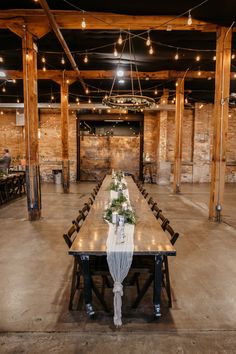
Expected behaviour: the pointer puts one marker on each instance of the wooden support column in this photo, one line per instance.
(31, 125)
(64, 135)
(220, 121)
(178, 133)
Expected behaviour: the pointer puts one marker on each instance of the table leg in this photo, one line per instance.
(157, 285)
(87, 285)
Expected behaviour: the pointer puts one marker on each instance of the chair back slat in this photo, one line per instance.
(69, 236)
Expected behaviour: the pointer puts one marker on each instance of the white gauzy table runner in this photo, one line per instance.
(119, 259)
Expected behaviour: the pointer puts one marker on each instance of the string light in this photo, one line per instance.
(233, 56)
(43, 59)
(177, 55)
(18, 101)
(155, 92)
(115, 51)
(186, 100)
(176, 84)
(199, 73)
(214, 58)
(14, 81)
(83, 23)
(52, 97)
(86, 59)
(4, 89)
(151, 50)
(120, 39)
(1, 59)
(190, 21)
(201, 106)
(63, 60)
(198, 58)
(148, 41)
(87, 90)
(77, 99)
(2, 113)
(67, 81)
(89, 101)
(44, 68)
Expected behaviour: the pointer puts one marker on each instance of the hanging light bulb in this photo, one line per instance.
(44, 68)
(177, 55)
(233, 56)
(190, 21)
(87, 90)
(52, 97)
(176, 84)
(4, 89)
(148, 41)
(85, 59)
(1, 59)
(115, 52)
(155, 92)
(89, 101)
(83, 23)
(214, 58)
(198, 58)
(18, 101)
(199, 73)
(43, 59)
(120, 40)
(186, 100)
(62, 60)
(14, 81)
(77, 99)
(151, 50)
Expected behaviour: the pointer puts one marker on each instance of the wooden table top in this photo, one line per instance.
(149, 238)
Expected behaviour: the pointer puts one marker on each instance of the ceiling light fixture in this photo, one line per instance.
(120, 73)
(134, 100)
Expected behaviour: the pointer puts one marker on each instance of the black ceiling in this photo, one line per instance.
(99, 45)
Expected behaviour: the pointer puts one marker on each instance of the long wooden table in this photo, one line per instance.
(149, 238)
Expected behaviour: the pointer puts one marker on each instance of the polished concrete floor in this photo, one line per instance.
(35, 271)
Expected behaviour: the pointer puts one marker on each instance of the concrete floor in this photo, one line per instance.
(35, 271)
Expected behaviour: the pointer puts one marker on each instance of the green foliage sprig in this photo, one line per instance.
(116, 205)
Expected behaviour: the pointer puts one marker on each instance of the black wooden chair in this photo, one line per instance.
(97, 265)
(85, 210)
(76, 272)
(151, 203)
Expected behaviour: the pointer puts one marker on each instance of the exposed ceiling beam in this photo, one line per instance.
(101, 20)
(60, 37)
(56, 75)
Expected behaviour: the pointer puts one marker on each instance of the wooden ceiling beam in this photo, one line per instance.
(62, 41)
(101, 20)
(70, 75)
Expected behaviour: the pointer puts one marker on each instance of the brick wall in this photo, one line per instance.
(159, 135)
(11, 136)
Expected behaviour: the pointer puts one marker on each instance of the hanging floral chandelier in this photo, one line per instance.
(133, 100)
